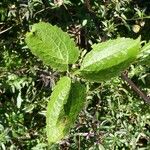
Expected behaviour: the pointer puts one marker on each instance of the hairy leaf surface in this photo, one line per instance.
(53, 46)
(108, 59)
(65, 103)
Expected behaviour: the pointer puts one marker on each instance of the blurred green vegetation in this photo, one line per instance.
(114, 117)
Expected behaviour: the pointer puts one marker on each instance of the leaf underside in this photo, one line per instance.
(53, 46)
(108, 59)
(66, 101)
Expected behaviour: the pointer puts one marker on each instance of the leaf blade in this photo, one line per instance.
(57, 100)
(75, 103)
(53, 46)
(67, 114)
(108, 59)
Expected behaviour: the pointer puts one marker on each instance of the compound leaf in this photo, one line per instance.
(53, 46)
(108, 59)
(65, 103)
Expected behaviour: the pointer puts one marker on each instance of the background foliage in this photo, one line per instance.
(114, 117)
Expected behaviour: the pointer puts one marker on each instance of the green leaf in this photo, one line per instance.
(146, 47)
(108, 59)
(53, 46)
(75, 103)
(145, 54)
(55, 106)
(65, 103)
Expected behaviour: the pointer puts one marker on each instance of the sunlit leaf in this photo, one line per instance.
(66, 101)
(53, 46)
(108, 59)
(55, 106)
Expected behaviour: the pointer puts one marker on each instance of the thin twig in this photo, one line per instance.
(79, 146)
(135, 88)
(84, 134)
(140, 18)
(1, 32)
(40, 11)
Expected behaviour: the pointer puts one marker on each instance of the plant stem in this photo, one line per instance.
(1, 32)
(124, 76)
(140, 18)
